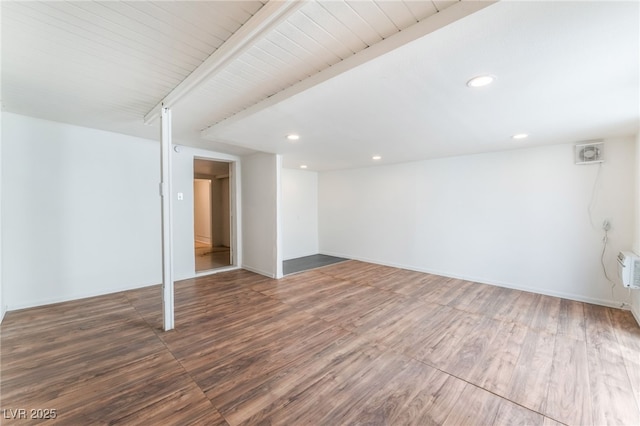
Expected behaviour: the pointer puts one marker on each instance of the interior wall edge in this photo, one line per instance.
(299, 213)
(635, 294)
(261, 251)
(636, 314)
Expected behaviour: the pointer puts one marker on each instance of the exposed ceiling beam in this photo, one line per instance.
(414, 32)
(270, 15)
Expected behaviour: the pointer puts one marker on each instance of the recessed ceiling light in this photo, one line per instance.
(303, 166)
(376, 157)
(480, 81)
(293, 137)
(520, 136)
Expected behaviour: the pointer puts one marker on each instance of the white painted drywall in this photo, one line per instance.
(299, 213)
(184, 266)
(81, 212)
(635, 294)
(260, 218)
(512, 218)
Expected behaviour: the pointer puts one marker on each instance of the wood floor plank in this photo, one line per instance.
(487, 300)
(628, 335)
(401, 281)
(546, 314)
(363, 387)
(530, 381)
(438, 349)
(571, 320)
(475, 406)
(383, 323)
(333, 371)
(510, 414)
(358, 272)
(551, 422)
(354, 362)
(447, 290)
(245, 370)
(434, 402)
(472, 348)
(470, 297)
(494, 370)
(569, 397)
(521, 309)
(613, 401)
(392, 398)
(423, 325)
(349, 343)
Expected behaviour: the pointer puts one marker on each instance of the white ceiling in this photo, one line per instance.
(354, 78)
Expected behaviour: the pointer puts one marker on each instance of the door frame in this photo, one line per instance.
(234, 213)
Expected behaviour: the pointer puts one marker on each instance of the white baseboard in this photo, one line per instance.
(203, 240)
(215, 271)
(3, 310)
(569, 296)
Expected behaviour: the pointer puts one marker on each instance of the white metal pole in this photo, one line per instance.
(167, 221)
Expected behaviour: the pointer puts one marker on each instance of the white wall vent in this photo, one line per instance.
(588, 153)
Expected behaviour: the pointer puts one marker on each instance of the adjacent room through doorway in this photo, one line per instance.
(211, 215)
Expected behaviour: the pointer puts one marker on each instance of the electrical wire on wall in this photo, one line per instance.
(592, 201)
(606, 226)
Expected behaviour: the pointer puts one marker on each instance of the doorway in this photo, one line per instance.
(211, 215)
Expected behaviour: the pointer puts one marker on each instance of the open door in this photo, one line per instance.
(212, 215)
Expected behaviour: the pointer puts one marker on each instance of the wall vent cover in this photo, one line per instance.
(589, 153)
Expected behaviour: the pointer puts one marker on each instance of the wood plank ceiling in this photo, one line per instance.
(106, 64)
(319, 35)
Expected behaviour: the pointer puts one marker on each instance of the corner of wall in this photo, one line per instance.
(278, 237)
(635, 306)
(635, 295)
(3, 305)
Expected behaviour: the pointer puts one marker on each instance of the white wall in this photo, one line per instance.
(299, 213)
(513, 218)
(183, 226)
(260, 214)
(81, 212)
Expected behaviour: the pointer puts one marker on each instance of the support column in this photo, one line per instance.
(167, 221)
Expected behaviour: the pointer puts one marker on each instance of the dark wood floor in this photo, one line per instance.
(350, 343)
